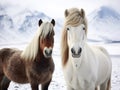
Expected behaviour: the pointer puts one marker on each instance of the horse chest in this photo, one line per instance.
(40, 72)
(42, 67)
(79, 78)
(79, 81)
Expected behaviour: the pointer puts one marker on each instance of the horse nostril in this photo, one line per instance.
(72, 50)
(79, 50)
(50, 52)
(46, 52)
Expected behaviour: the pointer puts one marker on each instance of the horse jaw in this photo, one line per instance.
(76, 62)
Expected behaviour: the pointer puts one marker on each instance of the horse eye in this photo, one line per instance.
(83, 28)
(68, 29)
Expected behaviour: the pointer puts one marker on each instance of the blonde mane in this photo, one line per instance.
(31, 50)
(73, 17)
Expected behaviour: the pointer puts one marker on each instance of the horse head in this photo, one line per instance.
(46, 42)
(75, 27)
(42, 42)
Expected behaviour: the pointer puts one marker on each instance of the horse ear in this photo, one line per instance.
(66, 13)
(82, 12)
(40, 22)
(53, 22)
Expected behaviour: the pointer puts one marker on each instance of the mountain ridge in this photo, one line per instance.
(105, 22)
(19, 26)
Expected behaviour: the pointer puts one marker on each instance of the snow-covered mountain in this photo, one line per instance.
(17, 24)
(105, 24)
(21, 24)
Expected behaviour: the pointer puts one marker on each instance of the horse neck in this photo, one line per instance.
(80, 60)
(40, 57)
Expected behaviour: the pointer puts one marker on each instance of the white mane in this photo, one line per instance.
(31, 50)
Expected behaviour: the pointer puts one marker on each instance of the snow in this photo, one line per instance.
(116, 73)
(58, 81)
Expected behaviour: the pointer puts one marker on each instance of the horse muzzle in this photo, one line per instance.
(76, 53)
(47, 52)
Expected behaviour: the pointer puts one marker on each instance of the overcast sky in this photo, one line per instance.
(56, 8)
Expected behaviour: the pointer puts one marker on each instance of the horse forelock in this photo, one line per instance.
(31, 50)
(47, 28)
(75, 19)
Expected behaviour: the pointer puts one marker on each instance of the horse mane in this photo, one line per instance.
(73, 17)
(31, 51)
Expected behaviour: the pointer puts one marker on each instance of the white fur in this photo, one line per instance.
(91, 69)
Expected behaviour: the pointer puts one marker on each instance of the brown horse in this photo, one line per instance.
(33, 65)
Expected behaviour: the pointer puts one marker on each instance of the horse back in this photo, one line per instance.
(6, 53)
(12, 65)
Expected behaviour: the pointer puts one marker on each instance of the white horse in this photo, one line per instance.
(85, 67)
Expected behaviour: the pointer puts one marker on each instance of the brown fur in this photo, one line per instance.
(38, 71)
(65, 48)
(73, 17)
(18, 70)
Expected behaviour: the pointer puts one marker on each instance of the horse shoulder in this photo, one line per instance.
(104, 63)
(100, 49)
(101, 55)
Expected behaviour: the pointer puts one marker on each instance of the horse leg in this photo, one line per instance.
(69, 88)
(1, 77)
(34, 86)
(103, 86)
(5, 83)
(96, 88)
(109, 84)
(45, 85)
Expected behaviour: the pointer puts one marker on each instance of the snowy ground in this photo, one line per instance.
(58, 82)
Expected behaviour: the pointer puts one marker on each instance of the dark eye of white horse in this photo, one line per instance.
(68, 29)
(83, 28)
